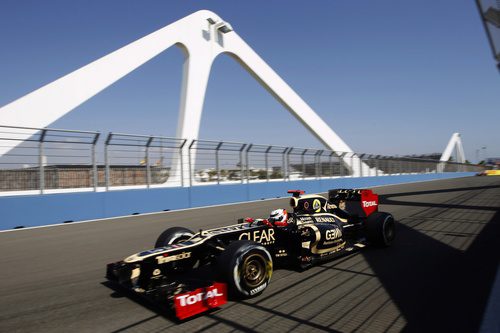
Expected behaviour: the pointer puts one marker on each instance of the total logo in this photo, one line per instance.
(200, 300)
(201, 296)
(369, 203)
(265, 236)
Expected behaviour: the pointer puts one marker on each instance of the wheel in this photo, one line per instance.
(380, 229)
(247, 267)
(172, 236)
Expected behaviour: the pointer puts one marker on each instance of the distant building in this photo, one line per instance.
(431, 156)
(493, 161)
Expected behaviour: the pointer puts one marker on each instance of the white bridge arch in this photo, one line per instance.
(454, 143)
(202, 36)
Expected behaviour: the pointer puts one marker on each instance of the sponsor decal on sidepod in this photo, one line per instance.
(166, 258)
(259, 236)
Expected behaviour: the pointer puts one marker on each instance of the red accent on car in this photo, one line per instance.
(200, 300)
(281, 224)
(266, 222)
(369, 202)
(296, 193)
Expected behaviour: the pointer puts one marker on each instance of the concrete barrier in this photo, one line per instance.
(37, 210)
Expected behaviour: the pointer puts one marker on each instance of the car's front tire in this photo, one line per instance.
(173, 236)
(247, 268)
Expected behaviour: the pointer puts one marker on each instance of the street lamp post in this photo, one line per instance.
(478, 154)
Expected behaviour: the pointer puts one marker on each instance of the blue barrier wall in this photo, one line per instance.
(36, 210)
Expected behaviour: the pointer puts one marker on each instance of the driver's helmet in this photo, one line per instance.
(279, 217)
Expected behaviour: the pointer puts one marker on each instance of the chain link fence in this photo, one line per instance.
(140, 160)
(49, 159)
(55, 160)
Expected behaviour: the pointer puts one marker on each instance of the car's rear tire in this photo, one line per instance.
(380, 229)
(173, 236)
(247, 268)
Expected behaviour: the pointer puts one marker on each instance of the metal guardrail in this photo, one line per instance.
(215, 161)
(55, 159)
(31, 165)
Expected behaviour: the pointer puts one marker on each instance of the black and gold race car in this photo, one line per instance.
(194, 272)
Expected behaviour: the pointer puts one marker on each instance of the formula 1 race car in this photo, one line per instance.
(194, 272)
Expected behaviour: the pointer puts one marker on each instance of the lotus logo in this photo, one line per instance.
(316, 205)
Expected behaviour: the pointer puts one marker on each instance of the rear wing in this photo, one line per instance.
(296, 193)
(362, 203)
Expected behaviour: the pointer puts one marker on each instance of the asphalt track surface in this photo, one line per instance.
(436, 277)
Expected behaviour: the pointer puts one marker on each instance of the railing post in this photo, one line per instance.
(376, 165)
(318, 156)
(94, 162)
(190, 166)
(106, 160)
(248, 162)
(316, 166)
(148, 167)
(341, 164)
(41, 162)
(330, 163)
(217, 166)
(360, 157)
(181, 159)
(303, 164)
(267, 162)
(241, 162)
(288, 162)
(352, 164)
(283, 163)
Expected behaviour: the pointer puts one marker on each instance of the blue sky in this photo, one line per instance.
(390, 77)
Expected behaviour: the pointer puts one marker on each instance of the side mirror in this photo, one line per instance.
(245, 220)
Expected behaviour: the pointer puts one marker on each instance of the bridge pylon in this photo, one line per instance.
(202, 36)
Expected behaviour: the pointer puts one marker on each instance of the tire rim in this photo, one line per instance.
(180, 238)
(254, 270)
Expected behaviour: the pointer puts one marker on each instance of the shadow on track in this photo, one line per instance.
(439, 288)
(387, 199)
